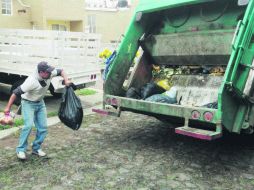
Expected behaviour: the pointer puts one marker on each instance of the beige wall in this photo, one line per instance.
(36, 13)
(16, 20)
(111, 24)
(71, 11)
(63, 9)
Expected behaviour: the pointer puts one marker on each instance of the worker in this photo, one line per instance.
(33, 108)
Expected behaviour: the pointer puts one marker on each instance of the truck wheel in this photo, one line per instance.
(53, 93)
(13, 87)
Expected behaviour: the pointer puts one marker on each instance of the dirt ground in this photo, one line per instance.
(131, 152)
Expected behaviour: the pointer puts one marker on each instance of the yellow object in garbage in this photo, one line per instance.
(164, 84)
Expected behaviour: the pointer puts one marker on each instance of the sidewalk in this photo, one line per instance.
(88, 103)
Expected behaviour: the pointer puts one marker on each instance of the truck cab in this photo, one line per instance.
(208, 46)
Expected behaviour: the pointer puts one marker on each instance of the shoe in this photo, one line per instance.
(39, 152)
(21, 155)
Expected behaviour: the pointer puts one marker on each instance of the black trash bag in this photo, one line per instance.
(162, 99)
(150, 89)
(133, 93)
(70, 111)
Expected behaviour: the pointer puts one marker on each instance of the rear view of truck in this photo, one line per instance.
(208, 48)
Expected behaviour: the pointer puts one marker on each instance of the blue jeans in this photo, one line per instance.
(34, 113)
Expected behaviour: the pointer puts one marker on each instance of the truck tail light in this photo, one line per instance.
(208, 116)
(93, 77)
(195, 114)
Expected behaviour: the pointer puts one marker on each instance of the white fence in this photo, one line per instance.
(21, 48)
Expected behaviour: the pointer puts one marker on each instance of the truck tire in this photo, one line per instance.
(53, 93)
(13, 87)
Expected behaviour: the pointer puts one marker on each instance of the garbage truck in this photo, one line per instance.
(208, 48)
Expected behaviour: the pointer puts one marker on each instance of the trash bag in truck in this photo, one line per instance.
(70, 111)
(133, 93)
(150, 89)
(162, 98)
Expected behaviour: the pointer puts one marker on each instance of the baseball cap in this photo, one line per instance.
(43, 66)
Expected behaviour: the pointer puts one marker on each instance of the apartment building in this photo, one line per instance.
(107, 17)
(65, 15)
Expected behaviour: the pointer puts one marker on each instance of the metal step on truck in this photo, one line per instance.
(209, 46)
(75, 52)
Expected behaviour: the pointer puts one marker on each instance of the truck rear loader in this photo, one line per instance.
(212, 41)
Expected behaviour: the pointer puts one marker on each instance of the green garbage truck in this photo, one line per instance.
(206, 49)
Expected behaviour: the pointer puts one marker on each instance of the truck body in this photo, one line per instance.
(75, 52)
(182, 34)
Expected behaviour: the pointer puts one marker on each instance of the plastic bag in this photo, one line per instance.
(172, 93)
(150, 89)
(162, 99)
(133, 93)
(8, 119)
(70, 111)
(108, 64)
(213, 105)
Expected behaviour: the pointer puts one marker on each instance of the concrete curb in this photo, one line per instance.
(51, 122)
(7, 132)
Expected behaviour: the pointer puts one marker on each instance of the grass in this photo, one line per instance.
(85, 92)
(2, 127)
(52, 114)
(18, 122)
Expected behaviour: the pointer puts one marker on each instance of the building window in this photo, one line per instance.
(59, 27)
(6, 7)
(109, 5)
(91, 23)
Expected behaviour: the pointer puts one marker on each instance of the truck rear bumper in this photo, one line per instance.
(153, 108)
(161, 108)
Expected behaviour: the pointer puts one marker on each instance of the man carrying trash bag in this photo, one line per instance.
(32, 92)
